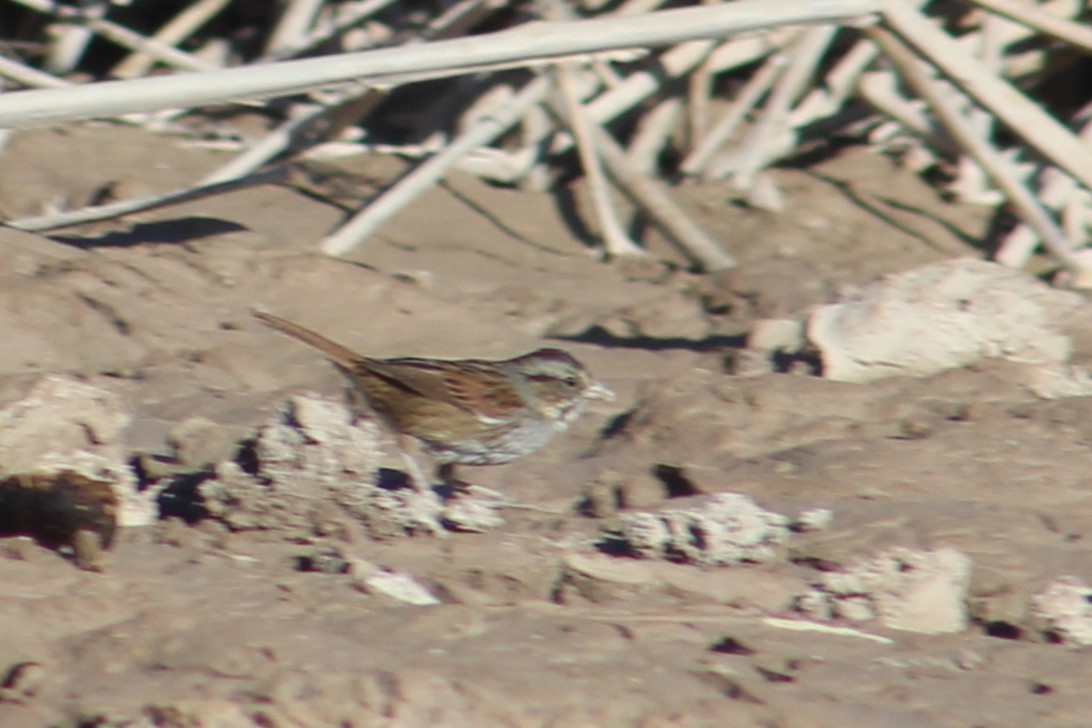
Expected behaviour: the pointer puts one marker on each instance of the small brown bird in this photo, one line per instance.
(464, 411)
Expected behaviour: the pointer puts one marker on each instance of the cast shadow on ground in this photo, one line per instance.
(600, 337)
(169, 232)
(874, 207)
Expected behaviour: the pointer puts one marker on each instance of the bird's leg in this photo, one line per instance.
(416, 476)
(428, 499)
(446, 473)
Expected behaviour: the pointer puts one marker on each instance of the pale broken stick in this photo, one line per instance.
(929, 88)
(691, 240)
(176, 30)
(654, 130)
(532, 41)
(347, 19)
(766, 142)
(125, 207)
(1058, 190)
(749, 96)
(345, 105)
(1033, 17)
(120, 35)
(406, 190)
(297, 17)
(71, 39)
(971, 184)
(1025, 118)
(615, 240)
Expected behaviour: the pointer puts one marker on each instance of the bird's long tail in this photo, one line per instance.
(339, 354)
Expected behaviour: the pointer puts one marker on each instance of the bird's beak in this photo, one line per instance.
(598, 391)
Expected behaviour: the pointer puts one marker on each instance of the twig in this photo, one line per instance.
(73, 38)
(29, 76)
(1041, 22)
(407, 189)
(749, 96)
(346, 106)
(838, 85)
(1023, 117)
(126, 207)
(758, 150)
(534, 40)
(297, 17)
(348, 19)
(122, 36)
(1057, 191)
(174, 32)
(652, 134)
(692, 241)
(615, 240)
(961, 130)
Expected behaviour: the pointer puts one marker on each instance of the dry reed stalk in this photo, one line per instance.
(616, 243)
(929, 88)
(1041, 21)
(533, 41)
(1023, 117)
(297, 18)
(406, 190)
(344, 107)
(1057, 191)
(653, 133)
(653, 197)
(745, 102)
(29, 76)
(763, 143)
(88, 23)
(176, 30)
(348, 18)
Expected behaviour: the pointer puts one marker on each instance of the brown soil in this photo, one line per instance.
(197, 625)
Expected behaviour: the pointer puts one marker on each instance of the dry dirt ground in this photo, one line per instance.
(196, 624)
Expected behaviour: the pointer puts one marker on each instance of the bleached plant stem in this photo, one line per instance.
(535, 40)
(407, 189)
(296, 19)
(126, 207)
(69, 47)
(1022, 200)
(349, 19)
(760, 146)
(29, 76)
(652, 134)
(122, 36)
(674, 63)
(1041, 22)
(358, 101)
(1058, 191)
(653, 197)
(749, 96)
(269, 146)
(174, 32)
(838, 85)
(1022, 116)
(615, 240)
(880, 89)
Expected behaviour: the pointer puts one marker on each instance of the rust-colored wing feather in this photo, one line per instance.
(486, 394)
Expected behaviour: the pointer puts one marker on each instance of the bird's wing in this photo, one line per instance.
(486, 393)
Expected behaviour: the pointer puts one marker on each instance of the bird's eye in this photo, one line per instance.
(571, 381)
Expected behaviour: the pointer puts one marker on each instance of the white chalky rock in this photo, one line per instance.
(943, 317)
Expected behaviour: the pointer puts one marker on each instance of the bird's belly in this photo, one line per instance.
(492, 445)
